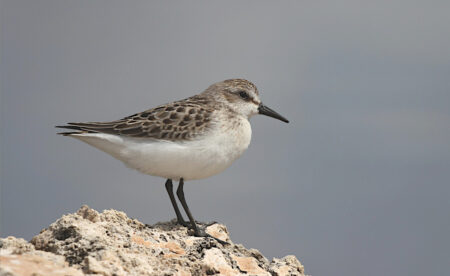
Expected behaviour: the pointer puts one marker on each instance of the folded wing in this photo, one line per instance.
(183, 120)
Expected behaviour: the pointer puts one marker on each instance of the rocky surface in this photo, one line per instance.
(110, 243)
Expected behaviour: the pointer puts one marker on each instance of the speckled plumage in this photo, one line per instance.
(177, 121)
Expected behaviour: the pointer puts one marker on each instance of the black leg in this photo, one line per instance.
(199, 232)
(180, 194)
(169, 188)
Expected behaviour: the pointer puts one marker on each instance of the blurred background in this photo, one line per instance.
(357, 184)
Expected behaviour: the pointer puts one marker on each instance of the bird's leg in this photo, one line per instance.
(180, 194)
(198, 232)
(169, 188)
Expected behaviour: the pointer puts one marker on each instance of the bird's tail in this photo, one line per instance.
(79, 130)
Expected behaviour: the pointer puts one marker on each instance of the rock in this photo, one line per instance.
(18, 257)
(111, 243)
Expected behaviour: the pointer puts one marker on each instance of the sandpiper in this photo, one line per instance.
(188, 139)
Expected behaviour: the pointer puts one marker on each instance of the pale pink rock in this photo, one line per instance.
(18, 257)
(249, 265)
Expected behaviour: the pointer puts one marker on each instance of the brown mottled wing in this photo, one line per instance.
(182, 120)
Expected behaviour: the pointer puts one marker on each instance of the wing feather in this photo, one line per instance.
(182, 120)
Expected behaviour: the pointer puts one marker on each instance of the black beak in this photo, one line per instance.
(264, 110)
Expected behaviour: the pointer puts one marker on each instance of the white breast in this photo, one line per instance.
(197, 159)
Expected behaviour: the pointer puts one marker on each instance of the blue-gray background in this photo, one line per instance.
(356, 184)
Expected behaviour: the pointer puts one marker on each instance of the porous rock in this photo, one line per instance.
(111, 243)
(18, 257)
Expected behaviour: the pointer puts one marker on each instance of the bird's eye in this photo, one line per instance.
(243, 95)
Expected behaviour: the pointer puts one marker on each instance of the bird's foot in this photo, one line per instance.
(189, 225)
(210, 223)
(183, 223)
(200, 232)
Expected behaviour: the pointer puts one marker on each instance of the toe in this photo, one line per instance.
(202, 233)
(211, 223)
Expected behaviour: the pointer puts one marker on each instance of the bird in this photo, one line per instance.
(189, 139)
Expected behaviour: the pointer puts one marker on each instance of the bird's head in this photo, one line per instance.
(242, 97)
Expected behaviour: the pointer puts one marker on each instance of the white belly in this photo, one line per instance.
(188, 160)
